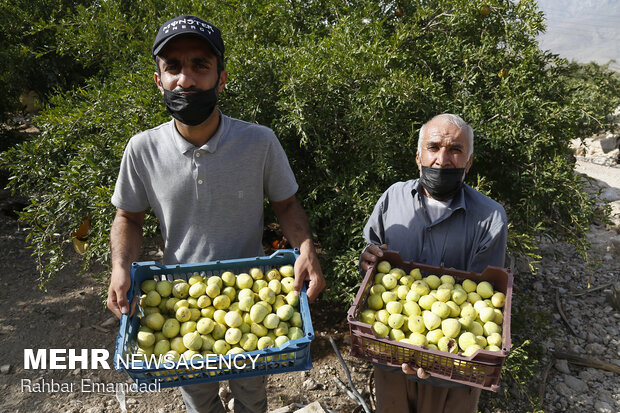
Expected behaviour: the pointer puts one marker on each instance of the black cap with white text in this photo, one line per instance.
(192, 25)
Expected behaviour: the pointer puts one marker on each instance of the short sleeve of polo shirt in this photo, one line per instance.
(278, 176)
(129, 192)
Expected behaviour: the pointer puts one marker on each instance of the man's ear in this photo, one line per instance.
(417, 161)
(222, 81)
(469, 162)
(158, 82)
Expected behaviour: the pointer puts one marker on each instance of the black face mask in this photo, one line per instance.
(442, 183)
(191, 109)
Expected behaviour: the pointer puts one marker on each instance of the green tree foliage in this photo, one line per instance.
(346, 87)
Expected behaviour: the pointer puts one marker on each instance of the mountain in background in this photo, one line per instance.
(583, 30)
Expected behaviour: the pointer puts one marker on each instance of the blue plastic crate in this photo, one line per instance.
(293, 355)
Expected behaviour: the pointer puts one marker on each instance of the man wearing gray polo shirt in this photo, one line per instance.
(435, 220)
(205, 176)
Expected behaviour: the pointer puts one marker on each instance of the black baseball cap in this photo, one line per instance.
(188, 24)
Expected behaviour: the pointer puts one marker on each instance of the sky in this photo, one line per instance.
(583, 30)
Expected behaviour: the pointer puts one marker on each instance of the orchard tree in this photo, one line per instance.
(346, 87)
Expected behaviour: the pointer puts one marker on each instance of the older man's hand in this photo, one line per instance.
(371, 255)
(407, 369)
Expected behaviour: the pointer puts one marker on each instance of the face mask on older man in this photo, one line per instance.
(442, 183)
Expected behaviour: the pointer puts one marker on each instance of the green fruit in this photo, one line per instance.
(281, 329)
(248, 341)
(221, 347)
(148, 285)
(171, 328)
(396, 334)
(426, 301)
(389, 281)
(443, 294)
(288, 285)
(183, 314)
(228, 278)
(271, 321)
(296, 320)
(267, 294)
(490, 327)
(447, 279)
(485, 289)
(292, 298)
(469, 351)
(164, 288)
(295, 333)
(187, 327)
(152, 298)
(258, 313)
(418, 339)
(380, 329)
(221, 302)
(411, 308)
(396, 320)
(487, 314)
(389, 296)
(394, 307)
(154, 321)
(382, 315)
(145, 339)
(420, 287)
(177, 345)
(431, 320)
(180, 290)
(287, 271)
(265, 342)
(212, 290)
(233, 319)
(448, 345)
(161, 347)
(416, 274)
(256, 274)
(233, 335)
(275, 285)
(205, 325)
(281, 340)
(285, 312)
(469, 286)
(273, 274)
(416, 324)
(498, 299)
(244, 281)
(258, 329)
(455, 310)
(466, 339)
(441, 309)
(433, 336)
(375, 302)
(476, 328)
(197, 289)
(384, 267)
(450, 327)
(432, 281)
(207, 342)
(459, 296)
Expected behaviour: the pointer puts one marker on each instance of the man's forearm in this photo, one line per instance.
(125, 240)
(295, 226)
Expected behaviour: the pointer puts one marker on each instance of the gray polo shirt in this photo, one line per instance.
(209, 200)
(470, 235)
